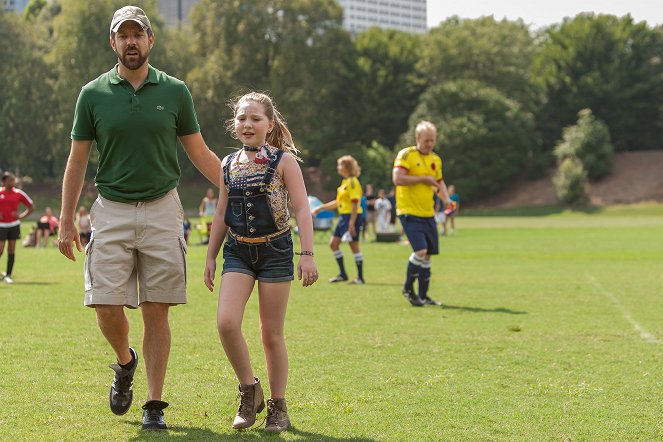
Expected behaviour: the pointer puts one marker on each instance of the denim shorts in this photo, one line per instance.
(267, 262)
(421, 233)
(344, 224)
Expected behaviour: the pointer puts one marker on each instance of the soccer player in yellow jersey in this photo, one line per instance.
(348, 196)
(417, 175)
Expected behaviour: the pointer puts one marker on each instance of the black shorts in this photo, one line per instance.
(10, 233)
(43, 226)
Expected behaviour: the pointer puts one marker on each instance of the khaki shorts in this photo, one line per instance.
(137, 253)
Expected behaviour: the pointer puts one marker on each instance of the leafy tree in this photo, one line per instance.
(376, 162)
(26, 100)
(589, 141)
(389, 85)
(295, 49)
(608, 64)
(499, 54)
(570, 182)
(483, 137)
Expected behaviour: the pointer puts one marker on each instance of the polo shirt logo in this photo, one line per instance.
(159, 107)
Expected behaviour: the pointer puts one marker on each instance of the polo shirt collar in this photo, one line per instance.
(115, 78)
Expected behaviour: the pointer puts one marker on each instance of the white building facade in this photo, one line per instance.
(402, 15)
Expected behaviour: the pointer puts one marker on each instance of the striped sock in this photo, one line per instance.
(413, 267)
(339, 260)
(359, 261)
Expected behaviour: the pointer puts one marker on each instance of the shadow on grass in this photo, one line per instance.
(192, 433)
(483, 310)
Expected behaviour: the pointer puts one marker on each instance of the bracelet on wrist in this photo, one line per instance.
(304, 253)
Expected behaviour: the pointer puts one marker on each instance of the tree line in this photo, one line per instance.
(499, 92)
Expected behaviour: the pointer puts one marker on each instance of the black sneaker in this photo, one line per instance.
(413, 298)
(153, 416)
(426, 300)
(338, 278)
(121, 392)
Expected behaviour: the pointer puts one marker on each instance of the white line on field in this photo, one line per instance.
(644, 334)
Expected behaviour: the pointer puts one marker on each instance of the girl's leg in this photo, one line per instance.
(11, 250)
(334, 244)
(359, 260)
(233, 295)
(273, 304)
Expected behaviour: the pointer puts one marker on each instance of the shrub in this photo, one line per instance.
(589, 141)
(571, 182)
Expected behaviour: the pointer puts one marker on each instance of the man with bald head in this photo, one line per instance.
(417, 175)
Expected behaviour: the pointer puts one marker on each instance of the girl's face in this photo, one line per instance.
(252, 124)
(341, 169)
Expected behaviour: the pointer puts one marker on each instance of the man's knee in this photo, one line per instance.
(422, 254)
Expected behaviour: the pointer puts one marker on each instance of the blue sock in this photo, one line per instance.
(424, 279)
(413, 269)
(339, 260)
(359, 261)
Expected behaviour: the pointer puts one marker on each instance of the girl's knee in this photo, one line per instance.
(272, 338)
(227, 327)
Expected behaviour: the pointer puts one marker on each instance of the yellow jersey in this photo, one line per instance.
(417, 199)
(346, 193)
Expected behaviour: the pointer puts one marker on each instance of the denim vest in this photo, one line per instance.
(248, 212)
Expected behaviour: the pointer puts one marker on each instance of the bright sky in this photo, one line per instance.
(542, 13)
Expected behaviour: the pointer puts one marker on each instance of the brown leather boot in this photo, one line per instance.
(252, 401)
(277, 416)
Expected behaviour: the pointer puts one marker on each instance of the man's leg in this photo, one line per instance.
(114, 325)
(156, 346)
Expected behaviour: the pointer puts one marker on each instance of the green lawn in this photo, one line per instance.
(552, 329)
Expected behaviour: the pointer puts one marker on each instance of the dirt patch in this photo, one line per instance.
(636, 177)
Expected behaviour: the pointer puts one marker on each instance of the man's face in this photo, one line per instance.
(426, 141)
(132, 45)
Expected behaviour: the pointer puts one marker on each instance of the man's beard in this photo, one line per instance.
(136, 63)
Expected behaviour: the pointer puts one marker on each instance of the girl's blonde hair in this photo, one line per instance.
(350, 164)
(279, 137)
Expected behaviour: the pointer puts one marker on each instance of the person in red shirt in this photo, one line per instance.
(10, 219)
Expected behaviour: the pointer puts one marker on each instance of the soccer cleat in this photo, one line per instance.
(338, 278)
(357, 281)
(413, 298)
(121, 392)
(153, 416)
(426, 300)
(8, 279)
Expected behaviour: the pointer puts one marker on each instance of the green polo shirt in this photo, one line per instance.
(136, 133)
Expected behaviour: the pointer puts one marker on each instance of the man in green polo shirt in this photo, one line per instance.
(137, 254)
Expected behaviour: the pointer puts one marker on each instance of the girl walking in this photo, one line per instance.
(348, 196)
(252, 215)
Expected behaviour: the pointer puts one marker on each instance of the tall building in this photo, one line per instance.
(402, 15)
(175, 11)
(15, 5)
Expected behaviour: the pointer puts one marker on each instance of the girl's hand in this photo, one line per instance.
(352, 230)
(210, 270)
(307, 272)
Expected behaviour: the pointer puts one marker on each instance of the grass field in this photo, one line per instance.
(552, 329)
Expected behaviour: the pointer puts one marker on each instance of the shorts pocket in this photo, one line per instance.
(281, 245)
(87, 265)
(183, 250)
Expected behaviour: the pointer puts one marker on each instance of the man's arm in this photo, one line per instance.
(202, 157)
(401, 177)
(443, 193)
(72, 184)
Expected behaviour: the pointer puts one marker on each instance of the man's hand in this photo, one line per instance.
(69, 236)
